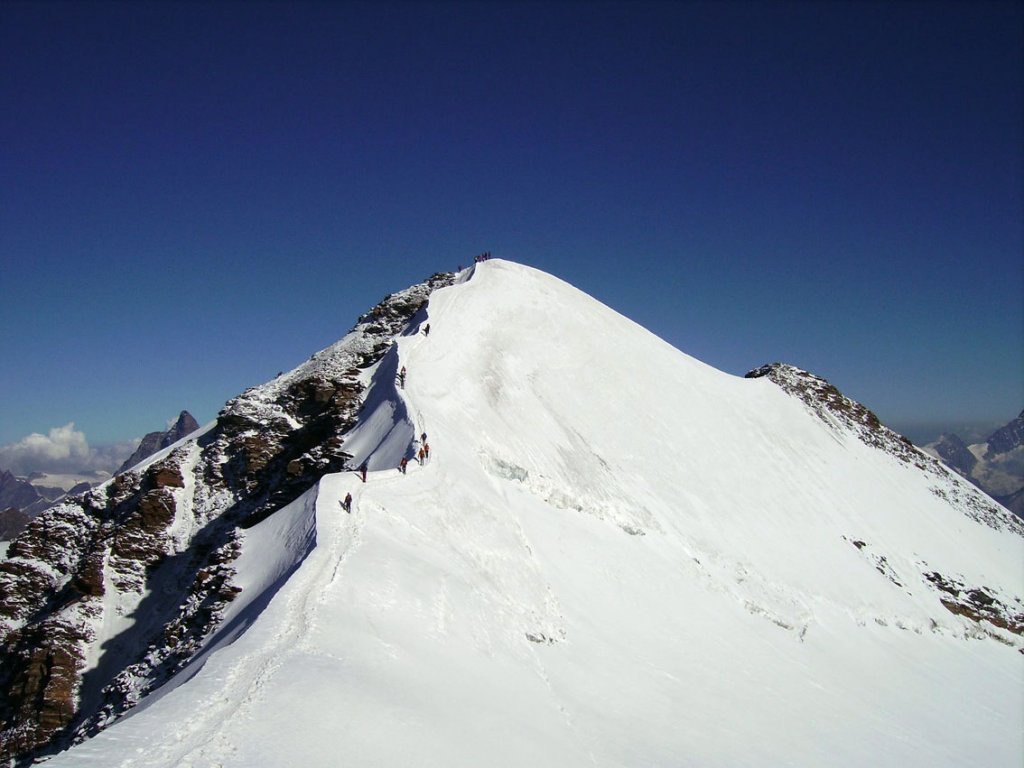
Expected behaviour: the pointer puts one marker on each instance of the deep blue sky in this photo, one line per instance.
(196, 196)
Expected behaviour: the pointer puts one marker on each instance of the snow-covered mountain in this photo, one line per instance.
(995, 465)
(614, 555)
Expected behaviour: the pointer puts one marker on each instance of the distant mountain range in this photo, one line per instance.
(21, 498)
(995, 465)
(20, 494)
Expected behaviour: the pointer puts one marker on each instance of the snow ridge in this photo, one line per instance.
(114, 592)
(614, 555)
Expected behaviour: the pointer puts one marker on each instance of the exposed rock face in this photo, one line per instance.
(830, 404)
(163, 539)
(157, 441)
(977, 603)
(954, 451)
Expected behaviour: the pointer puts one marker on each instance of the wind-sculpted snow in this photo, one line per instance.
(613, 556)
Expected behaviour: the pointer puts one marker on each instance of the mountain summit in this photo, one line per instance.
(612, 555)
(155, 441)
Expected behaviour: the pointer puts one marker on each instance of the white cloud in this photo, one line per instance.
(64, 449)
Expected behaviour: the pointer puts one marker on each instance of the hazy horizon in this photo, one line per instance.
(67, 450)
(199, 195)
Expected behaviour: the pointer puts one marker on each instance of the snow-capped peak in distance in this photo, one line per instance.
(995, 465)
(613, 555)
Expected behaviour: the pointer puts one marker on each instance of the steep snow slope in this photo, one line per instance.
(615, 556)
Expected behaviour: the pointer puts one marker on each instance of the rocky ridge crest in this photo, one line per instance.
(155, 544)
(842, 413)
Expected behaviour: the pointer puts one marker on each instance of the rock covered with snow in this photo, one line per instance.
(614, 555)
(834, 408)
(157, 541)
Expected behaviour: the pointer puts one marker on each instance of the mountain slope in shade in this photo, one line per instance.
(20, 495)
(615, 556)
(1007, 438)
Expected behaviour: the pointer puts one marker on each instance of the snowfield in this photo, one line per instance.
(614, 556)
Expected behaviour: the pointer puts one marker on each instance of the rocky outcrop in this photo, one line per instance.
(835, 408)
(977, 603)
(845, 415)
(157, 441)
(159, 542)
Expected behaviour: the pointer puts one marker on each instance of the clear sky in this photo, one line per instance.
(195, 196)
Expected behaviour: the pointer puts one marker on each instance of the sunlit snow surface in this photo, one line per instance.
(616, 556)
